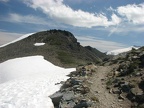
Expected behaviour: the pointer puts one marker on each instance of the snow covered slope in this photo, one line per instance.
(27, 82)
(118, 51)
(22, 37)
(39, 44)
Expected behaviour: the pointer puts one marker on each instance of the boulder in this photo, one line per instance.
(68, 96)
(83, 104)
(56, 98)
(74, 81)
(125, 87)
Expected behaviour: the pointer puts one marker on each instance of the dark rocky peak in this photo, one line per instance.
(53, 37)
(61, 48)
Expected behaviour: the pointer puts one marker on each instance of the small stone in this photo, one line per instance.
(90, 82)
(96, 92)
(116, 91)
(56, 98)
(121, 97)
(138, 74)
(102, 79)
(111, 91)
(120, 100)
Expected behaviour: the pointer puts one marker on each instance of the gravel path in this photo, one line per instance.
(106, 99)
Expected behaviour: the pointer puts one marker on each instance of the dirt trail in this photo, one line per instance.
(106, 100)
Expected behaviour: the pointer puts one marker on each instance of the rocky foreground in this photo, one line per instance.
(75, 92)
(127, 78)
(86, 88)
(117, 83)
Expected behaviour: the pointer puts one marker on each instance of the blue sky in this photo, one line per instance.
(103, 24)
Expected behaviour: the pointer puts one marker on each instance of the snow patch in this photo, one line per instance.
(118, 51)
(39, 44)
(22, 37)
(27, 82)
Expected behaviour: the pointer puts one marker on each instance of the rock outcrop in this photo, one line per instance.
(75, 91)
(127, 78)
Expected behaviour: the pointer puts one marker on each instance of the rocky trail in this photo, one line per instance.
(98, 88)
(89, 90)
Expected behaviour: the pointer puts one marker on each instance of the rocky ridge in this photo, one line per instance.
(75, 92)
(59, 47)
(127, 77)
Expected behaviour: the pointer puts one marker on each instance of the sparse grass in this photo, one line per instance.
(65, 58)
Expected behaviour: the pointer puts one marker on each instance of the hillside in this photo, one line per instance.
(59, 47)
(126, 79)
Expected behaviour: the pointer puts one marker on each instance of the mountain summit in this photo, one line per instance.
(57, 46)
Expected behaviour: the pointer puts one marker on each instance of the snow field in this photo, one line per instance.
(118, 51)
(39, 44)
(27, 82)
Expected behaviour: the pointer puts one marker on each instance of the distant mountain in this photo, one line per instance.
(57, 46)
(118, 51)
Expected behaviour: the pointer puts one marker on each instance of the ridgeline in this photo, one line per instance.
(61, 48)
